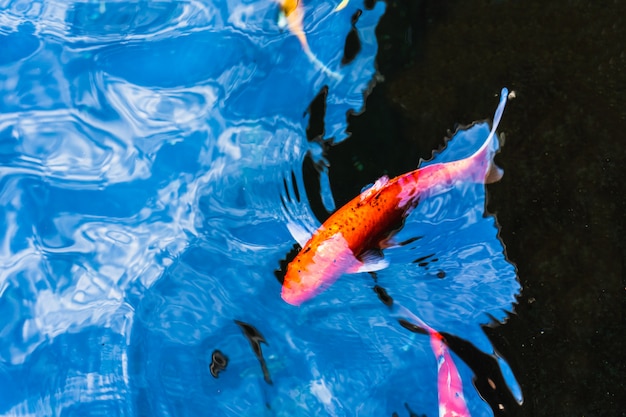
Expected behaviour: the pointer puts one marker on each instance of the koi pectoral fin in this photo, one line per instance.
(369, 261)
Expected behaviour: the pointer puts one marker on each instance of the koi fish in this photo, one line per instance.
(449, 383)
(291, 16)
(346, 240)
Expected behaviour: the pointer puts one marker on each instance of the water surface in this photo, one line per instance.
(151, 173)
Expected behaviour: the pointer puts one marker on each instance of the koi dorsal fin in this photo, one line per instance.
(378, 185)
(370, 261)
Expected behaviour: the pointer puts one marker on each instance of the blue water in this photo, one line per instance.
(151, 183)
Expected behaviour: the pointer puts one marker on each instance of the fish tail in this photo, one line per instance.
(479, 167)
(486, 153)
(320, 65)
(494, 173)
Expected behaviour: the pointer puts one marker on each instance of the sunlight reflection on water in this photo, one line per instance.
(144, 148)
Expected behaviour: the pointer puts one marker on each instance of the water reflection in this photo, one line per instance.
(151, 156)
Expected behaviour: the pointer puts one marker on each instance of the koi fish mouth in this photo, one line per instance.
(292, 296)
(316, 269)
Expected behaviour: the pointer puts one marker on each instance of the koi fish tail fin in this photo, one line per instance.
(480, 143)
(480, 166)
(494, 173)
(320, 65)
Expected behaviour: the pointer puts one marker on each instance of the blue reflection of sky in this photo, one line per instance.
(144, 148)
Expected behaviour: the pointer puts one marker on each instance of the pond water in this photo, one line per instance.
(152, 186)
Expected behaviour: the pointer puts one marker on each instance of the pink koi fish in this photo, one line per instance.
(449, 384)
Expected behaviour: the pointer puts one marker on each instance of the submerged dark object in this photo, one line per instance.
(219, 362)
(256, 338)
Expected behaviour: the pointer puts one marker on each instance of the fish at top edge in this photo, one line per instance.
(340, 245)
(291, 16)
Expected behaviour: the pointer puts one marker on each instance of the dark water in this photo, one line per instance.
(562, 202)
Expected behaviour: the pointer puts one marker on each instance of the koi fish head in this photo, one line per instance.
(318, 265)
(288, 6)
(290, 15)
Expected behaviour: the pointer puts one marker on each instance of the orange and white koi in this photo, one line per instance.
(291, 16)
(340, 245)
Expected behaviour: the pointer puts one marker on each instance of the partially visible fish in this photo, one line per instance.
(451, 400)
(449, 383)
(341, 5)
(344, 242)
(291, 16)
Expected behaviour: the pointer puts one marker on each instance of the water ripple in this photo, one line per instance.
(61, 146)
(151, 161)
